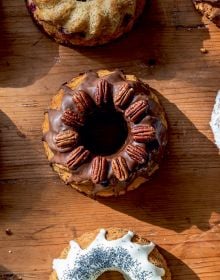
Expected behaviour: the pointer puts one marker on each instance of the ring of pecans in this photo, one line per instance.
(134, 110)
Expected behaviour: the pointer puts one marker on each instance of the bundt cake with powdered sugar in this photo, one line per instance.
(85, 22)
(105, 132)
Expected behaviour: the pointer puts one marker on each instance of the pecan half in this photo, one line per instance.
(136, 110)
(72, 119)
(120, 168)
(143, 133)
(77, 157)
(124, 95)
(82, 100)
(102, 92)
(99, 169)
(66, 138)
(137, 153)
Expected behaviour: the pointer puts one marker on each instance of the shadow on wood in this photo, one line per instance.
(15, 168)
(26, 53)
(166, 39)
(5, 274)
(178, 202)
(179, 270)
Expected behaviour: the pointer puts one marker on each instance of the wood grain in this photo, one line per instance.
(179, 208)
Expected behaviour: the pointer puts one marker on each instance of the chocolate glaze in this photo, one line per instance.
(153, 116)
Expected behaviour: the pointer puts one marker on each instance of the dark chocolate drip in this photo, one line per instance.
(116, 77)
(56, 124)
(68, 103)
(66, 89)
(89, 86)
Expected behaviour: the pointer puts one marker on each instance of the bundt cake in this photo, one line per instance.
(93, 253)
(105, 132)
(210, 9)
(85, 22)
(215, 120)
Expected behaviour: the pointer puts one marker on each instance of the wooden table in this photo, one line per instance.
(179, 209)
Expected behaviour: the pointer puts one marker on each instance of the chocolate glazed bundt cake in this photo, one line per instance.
(105, 132)
(85, 22)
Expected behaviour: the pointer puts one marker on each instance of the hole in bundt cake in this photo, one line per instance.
(152, 62)
(153, 145)
(104, 132)
(111, 275)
